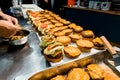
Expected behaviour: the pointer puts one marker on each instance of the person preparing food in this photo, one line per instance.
(8, 25)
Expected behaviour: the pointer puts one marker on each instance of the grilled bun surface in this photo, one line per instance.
(88, 34)
(98, 44)
(63, 39)
(95, 71)
(71, 52)
(84, 45)
(78, 74)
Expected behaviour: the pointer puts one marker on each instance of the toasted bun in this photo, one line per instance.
(63, 39)
(95, 71)
(84, 45)
(67, 31)
(54, 21)
(78, 74)
(72, 52)
(59, 33)
(66, 22)
(78, 28)
(98, 44)
(88, 34)
(111, 76)
(71, 25)
(74, 37)
(58, 24)
(58, 77)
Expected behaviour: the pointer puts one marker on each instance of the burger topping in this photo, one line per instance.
(53, 48)
(46, 40)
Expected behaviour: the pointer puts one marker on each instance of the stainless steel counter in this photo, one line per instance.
(21, 60)
(16, 61)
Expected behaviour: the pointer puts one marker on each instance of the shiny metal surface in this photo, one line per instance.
(100, 58)
(22, 40)
(21, 60)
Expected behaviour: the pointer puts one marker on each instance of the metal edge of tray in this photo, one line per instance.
(112, 67)
(64, 68)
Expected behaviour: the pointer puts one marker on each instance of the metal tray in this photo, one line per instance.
(102, 59)
(66, 59)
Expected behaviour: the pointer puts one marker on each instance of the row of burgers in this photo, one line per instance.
(57, 33)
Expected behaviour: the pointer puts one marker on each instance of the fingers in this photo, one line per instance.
(14, 20)
(9, 18)
(18, 28)
(7, 29)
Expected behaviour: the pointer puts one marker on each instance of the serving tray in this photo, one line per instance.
(66, 59)
(103, 59)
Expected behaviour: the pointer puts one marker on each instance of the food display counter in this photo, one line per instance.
(24, 60)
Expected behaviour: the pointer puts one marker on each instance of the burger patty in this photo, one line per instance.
(98, 45)
(55, 57)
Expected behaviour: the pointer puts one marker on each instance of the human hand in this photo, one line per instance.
(7, 29)
(9, 18)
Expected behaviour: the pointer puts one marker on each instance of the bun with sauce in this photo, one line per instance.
(46, 40)
(53, 52)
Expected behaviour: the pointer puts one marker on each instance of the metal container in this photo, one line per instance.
(22, 40)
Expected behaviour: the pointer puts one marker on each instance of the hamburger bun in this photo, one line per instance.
(58, 24)
(59, 33)
(74, 37)
(58, 77)
(71, 52)
(77, 28)
(65, 40)
(95, 71)
(111, 76)
(67, 31)
(53, 52)
(78, 74)
(98, 44)
(84, 45)
(72, 25)
(88, 34)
